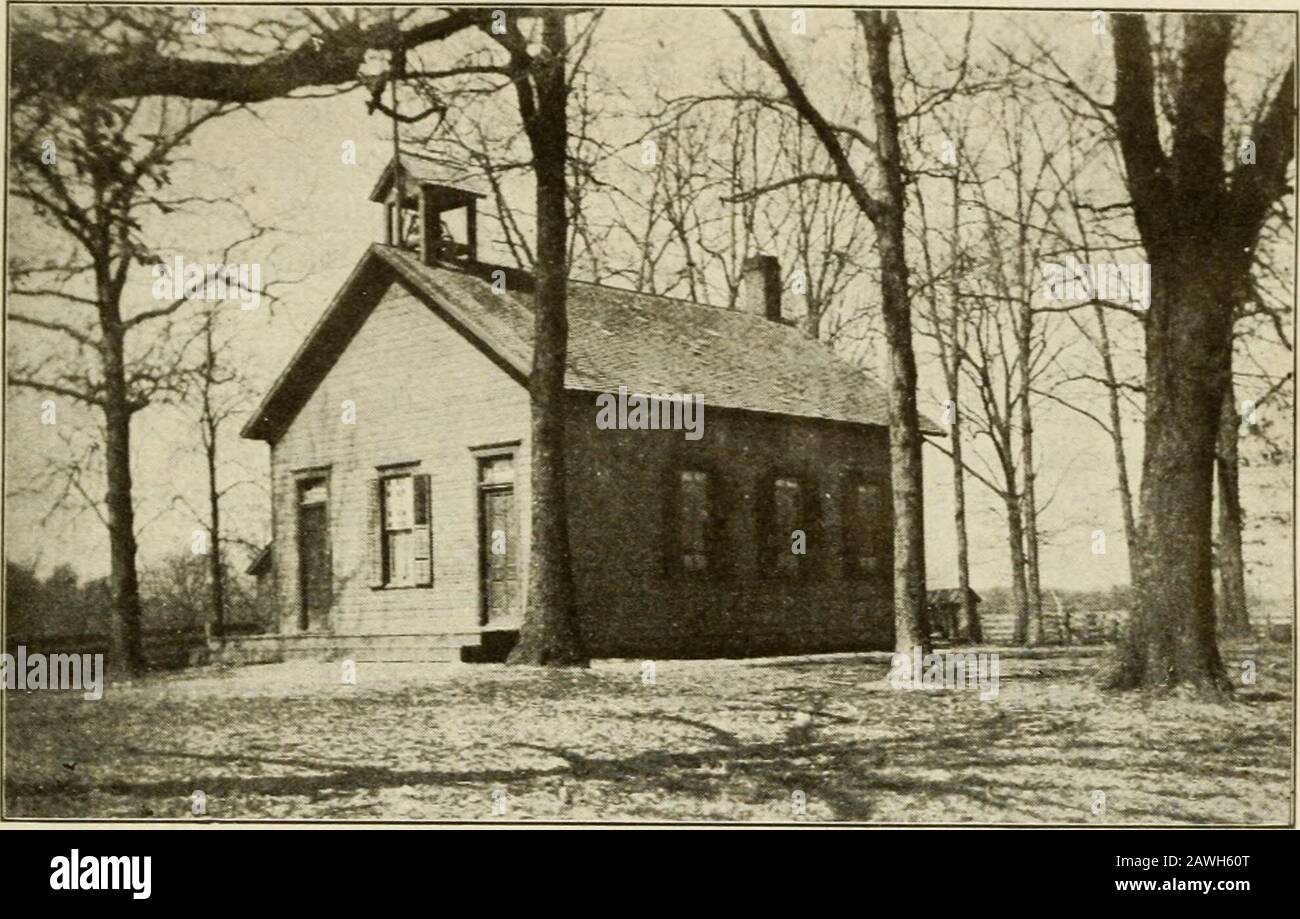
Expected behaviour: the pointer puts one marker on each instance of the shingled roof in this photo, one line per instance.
(417, 171)
(647, 343)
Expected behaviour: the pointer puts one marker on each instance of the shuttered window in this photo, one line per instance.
(863, 516)
(401, 547)
(788, 512)
(787, 517)
(693, 518)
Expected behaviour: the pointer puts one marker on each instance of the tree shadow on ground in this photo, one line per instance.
(850, 777)
(1007, 763)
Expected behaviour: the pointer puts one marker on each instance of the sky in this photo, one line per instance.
(284, 162)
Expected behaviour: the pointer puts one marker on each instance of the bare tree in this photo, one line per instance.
(1003, 349)
(987, 359)
(1089, 232)
(213, 382)
(1233, 608)
(477, 142)
(1151, 86)
(1260, 324)
(814, 227)
(550, 630)
(1200, 225)
(703, 235)
(947, 325)
(1118, 390)
(720, 191)
(93, 172)
(1034, 198)
(885, 210)
(696, 221)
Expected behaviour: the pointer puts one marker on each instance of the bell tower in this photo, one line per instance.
(438, 219)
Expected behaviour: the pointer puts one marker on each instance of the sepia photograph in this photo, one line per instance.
(648, 415)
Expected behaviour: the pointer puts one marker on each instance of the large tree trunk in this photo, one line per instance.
(1170, 638)
(1199, 230)
(550, 633)
(125, 641)
(1234, 618)
(911, 629)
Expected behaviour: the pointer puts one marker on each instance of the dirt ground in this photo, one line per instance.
(822, 738)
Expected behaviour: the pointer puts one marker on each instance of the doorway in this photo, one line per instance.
(498, 543)
(315, 571)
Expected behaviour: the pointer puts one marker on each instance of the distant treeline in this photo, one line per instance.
(174, 595)
(57, 605)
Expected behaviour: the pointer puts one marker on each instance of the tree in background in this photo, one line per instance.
(94, 171)
(1259, 326)
(212, 383)
(57, 606)
(946, 322)
(1089, 233)
(885, 209)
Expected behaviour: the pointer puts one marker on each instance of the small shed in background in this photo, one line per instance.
(944, 606)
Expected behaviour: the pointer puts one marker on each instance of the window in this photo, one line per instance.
(312, 492)
(496, 470)
(399, 518)
(400, 550)
(787, 518)
(863, 510)
(787, 523)
(693, 520)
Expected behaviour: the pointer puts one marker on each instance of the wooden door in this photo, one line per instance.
(315, 575)
(498, 539)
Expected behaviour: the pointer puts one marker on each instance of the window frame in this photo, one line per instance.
(709, 523)
(861, 534)
(385, 531)
(773, 542)
(778, 537)
(720, 554)
(418, 579)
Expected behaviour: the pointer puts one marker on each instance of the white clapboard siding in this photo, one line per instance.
(423, 395)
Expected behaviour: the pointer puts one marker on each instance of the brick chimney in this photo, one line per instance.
(760, 287)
